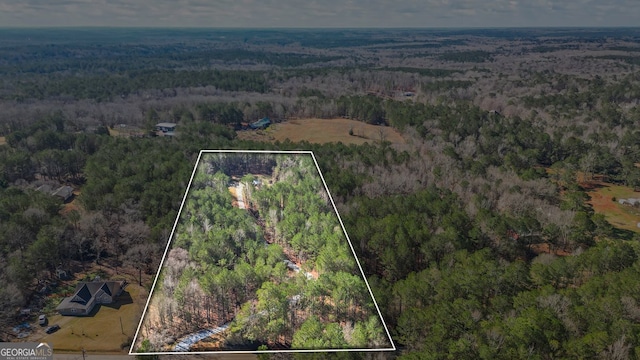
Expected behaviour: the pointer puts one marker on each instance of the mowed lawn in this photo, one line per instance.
(321, 131)
(620, 216)
(100, 333)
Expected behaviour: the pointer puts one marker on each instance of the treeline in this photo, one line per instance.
(107, 87)
(230, 113)
(446, 85)
(424, 71)
(94, 59)
(476, 56)
(292, 73)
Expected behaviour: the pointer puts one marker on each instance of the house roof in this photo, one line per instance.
(64, 191)
(106, 289)
(82, 295)
(165, 124)
(46, 188)
(85, 291)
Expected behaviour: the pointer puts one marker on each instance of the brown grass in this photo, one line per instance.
(3, 141)
(324, 131)
(127, 131)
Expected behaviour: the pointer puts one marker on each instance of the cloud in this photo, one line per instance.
(319, 13)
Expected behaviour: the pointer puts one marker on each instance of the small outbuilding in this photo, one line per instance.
(64, 192)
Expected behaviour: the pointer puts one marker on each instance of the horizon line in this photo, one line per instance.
(72, 27)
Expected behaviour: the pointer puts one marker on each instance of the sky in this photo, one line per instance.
(320, 13)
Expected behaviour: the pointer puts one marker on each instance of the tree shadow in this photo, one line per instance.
(622, 234)
(592, 186)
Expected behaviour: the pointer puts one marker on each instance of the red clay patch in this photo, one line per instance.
(544, 248)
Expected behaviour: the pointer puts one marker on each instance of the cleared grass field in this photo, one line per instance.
(324, 131)
(102, 332)
(621, 216)
(3, 141)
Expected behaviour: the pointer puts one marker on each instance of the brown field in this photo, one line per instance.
(324, 131)
(3, 141)
(126, 131)
(621, 216)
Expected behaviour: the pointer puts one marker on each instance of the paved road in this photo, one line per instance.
(212, 355)
(89, 356)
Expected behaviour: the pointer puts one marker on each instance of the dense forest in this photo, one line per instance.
(480, 234)
(222, 271)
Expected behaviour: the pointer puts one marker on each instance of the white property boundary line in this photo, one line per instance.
(307, 152)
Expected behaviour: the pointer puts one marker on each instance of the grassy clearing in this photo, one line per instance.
(621, 216)
(126, 131)
(324, 131)
(3, 140)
